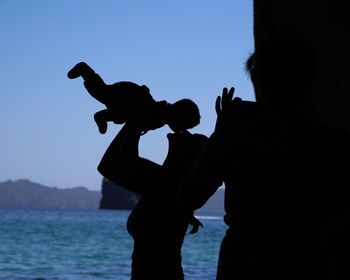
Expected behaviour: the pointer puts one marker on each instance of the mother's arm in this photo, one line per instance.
(207, 175)
(204, 179)
(122, 164)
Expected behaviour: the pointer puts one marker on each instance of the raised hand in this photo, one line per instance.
(233, 109)
(223, 106)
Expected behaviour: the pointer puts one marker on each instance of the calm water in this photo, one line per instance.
(88, 244)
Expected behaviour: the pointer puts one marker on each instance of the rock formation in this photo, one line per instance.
(115, 197)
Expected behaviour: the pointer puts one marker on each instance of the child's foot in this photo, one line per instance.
(81, 69)
(102, 125)
(102, 128)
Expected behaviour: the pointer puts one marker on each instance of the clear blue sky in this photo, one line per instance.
(182, 48)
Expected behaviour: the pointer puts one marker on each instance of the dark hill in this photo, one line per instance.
(26, 194)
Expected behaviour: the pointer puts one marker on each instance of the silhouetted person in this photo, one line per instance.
(129, 101)
(286, 185)
(158, 228)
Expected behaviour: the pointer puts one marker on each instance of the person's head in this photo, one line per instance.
(282, 70)
(183, 114)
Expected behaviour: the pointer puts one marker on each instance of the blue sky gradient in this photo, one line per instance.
(183, 48)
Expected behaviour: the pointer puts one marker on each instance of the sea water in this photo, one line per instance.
(89, 244)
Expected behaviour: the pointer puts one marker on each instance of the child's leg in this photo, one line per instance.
(93, 83)
(81, 69)
(101, 119)
(97, 88)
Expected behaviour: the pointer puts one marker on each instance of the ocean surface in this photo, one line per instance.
(89, 244)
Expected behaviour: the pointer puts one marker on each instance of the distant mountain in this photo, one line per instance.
(26, 194)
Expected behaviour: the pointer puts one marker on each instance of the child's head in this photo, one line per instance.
(183, 114)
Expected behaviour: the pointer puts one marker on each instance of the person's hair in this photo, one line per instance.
(184, 114)
(250, 64)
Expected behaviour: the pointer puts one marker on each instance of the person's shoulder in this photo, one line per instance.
(330, 132)
(200, 139)
(333, 138)
(200, 136)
